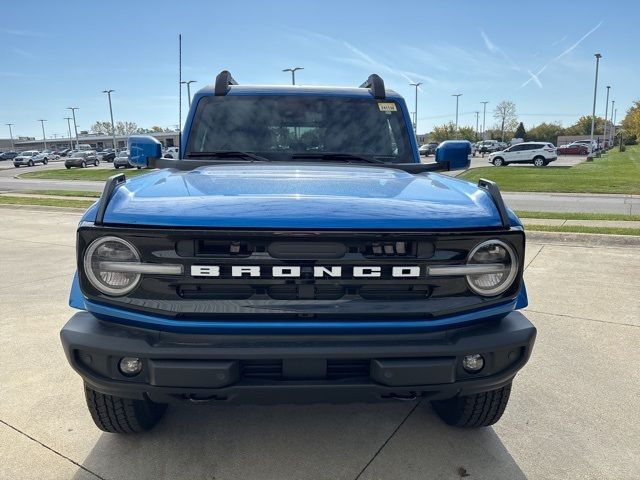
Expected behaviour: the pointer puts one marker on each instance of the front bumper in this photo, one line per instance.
(296, 368)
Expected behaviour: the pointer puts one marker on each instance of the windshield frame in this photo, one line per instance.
(403, 136)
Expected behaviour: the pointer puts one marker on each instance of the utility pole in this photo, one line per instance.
(188, 84)
(293, 73)
(615, 114)
(606, 114)
(484, 118)
(415, 112)
(457, 95)
(477, 120)
(593, 114)
(613, 123)
(11, 135)
(68, 119)
(75, 126)
(44, 137)
(113, 127)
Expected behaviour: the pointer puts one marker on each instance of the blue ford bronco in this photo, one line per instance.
(298, 251)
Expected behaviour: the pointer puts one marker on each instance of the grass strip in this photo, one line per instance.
(580, 229)
(578, 216)
(48, 202)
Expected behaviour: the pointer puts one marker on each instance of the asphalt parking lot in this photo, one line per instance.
(574, 411)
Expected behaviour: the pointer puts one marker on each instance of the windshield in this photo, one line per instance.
(79, 155)
(278, 127)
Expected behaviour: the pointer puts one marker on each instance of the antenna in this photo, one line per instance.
(179, 94)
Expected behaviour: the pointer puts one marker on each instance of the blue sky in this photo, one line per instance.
(537, 54)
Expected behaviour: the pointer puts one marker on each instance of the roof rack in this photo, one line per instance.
(223, 80)
(494, 192)
(376, 85)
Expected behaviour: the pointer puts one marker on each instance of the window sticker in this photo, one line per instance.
(387, 107)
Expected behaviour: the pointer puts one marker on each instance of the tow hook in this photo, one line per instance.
(409, 397)
(194, 399)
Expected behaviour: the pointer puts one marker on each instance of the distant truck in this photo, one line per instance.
(298, 251)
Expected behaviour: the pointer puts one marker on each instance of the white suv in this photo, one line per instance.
(538, 153)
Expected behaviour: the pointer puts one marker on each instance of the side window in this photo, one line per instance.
(516, 148)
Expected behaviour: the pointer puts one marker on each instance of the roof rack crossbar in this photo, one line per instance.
(494, 192)
(110, 186)
(376, 85)
(223, 80)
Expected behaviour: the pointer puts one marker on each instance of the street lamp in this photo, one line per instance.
(113, 127)
(68, 119)
(615, 115)
(10, 134)
(293, 73)
(484, 118)
(188, 84)
(44, 137)
(606, 114)
(457, 95)
(75, 126)
(593, 114)
(477, 121)
(613, 124)
(415, 112)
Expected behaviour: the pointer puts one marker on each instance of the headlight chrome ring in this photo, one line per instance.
(504, 283)
(91, 267)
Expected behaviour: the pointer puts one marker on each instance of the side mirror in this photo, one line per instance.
(143, 148)
(454, 153)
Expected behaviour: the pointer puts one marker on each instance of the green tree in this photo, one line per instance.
(546, 132)
(631, 123)
(447, 131)
(583, 126)
(520, 132)
(505, 114)
(101, 128)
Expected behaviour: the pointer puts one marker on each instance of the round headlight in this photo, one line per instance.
(497, 256)
(105, 251)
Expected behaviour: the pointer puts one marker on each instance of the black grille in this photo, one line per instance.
(336, 369)
(268, 297)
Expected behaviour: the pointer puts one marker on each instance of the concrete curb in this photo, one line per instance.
(44, 208)
(584, 239)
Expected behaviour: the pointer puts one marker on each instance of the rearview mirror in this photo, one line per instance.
(454, 153)
(143, 148)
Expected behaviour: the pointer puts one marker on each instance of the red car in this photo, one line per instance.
(573, 149)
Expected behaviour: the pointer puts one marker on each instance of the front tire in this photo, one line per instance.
(45, 161)
(473, 411)
(122, 415)
(498, 162)
(30, 164)
(96, 163)
(83, 165)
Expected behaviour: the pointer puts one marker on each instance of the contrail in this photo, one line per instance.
(570, 49)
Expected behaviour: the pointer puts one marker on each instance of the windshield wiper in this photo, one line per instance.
(347, 157)
(229, 154)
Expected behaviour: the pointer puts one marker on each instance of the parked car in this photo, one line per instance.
(122, 160)
(538, 153)
(487, 146)
(172, 152)
(107, 155)
(586, 143)
(573, 149)
(428, 148)
(64, 152)
(43, 157)
(8, 155)
(28, 158)
(82, 159)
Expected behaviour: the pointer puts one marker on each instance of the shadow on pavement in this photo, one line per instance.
(301, 442)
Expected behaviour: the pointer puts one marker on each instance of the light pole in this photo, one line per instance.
(293, 73)
(44, 137)
(457, 95)
(613, 124)
(477, 121)
(68, 119)
(484, 118)
(593, 114)
(10, 134)
(415, 112)
(113, 127)
(606, 114)
(75, 126)
(188, 84)
(615, 115)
